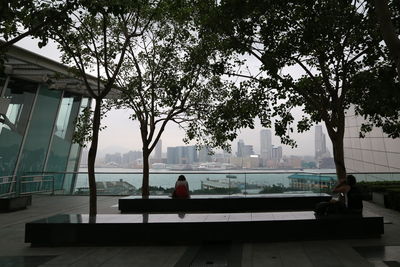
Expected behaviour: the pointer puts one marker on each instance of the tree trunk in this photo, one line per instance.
(92, 160)
(337, 144)
(338, 157)
(388, 31)
(145, 182)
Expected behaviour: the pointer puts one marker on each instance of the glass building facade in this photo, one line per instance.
(376, 154)
(37, 123)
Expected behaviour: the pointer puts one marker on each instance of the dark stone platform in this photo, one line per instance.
(124, 229)
(15, 203)
(222, 203)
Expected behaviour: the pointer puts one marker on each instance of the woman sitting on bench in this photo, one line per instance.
(181, 188)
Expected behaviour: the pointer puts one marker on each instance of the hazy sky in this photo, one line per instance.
(123, 134)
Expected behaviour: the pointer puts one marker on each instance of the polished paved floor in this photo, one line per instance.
(384, 251)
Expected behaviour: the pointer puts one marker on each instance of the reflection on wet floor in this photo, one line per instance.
(381, 255)
(216, 254)
(24, 261)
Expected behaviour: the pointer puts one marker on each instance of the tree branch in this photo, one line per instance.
(388, 31)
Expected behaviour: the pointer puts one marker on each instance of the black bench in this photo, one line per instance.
(220, 203)
(67, 229)
(8, 204)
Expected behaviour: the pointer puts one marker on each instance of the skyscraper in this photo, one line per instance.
(265, 144)
(240, 148)
(320, 143)
(181, 155)
(158, 150)
(277, 153)
(204, 155)
(172, 155)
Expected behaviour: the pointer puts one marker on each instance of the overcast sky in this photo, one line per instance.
(123, 134)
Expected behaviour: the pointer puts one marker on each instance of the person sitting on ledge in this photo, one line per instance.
(348, 200)
(353, 195)
(181, 190)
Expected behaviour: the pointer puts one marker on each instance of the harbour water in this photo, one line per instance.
(166, 179)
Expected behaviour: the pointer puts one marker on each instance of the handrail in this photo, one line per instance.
(200, 172)
(11, 182)
(245, 184)
(139, 171)
(8, 176)
(41, 180)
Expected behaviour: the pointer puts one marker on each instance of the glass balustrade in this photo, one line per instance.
(234, 183)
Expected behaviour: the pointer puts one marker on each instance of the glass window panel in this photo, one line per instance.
(392, 145)
(357, 143)
(73, 160)
(378, 144)
(347, 142)
(367, 156)
(354, 132)
(353, 143)
(365, 143)
(347, 152)
(369, 167)
(358, 165)
(382, 168)
(350, 120)
(360, 121)
(62, 139)
(40, 130)
(13, 123)
(376, 132)
(394, 160)
(349, 164)
(380, 159)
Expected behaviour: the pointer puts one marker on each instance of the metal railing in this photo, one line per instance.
(7, 185)
(31, 184)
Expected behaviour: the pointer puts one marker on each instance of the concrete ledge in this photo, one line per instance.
(123, 229)
(270, 202)
(15, 203)
(380, 198)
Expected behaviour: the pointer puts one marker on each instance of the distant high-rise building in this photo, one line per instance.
(320, 142)
(243, 150)
(277, 153)
(181, 155)
(265, 144)
(158, 150)
(204, 155)
(191, 154)
(129, 158)
(240, 148)
(248, 150)
(172, 155)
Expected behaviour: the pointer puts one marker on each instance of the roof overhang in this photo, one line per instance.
(24, 64)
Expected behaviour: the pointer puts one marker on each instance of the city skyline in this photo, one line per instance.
(270, 155)
(123, 135)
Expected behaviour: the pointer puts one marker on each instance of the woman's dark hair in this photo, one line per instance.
(351, 180)
(181, 178)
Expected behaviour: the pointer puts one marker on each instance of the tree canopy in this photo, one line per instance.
(34, 18)
(312, 54)
(168, 77)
